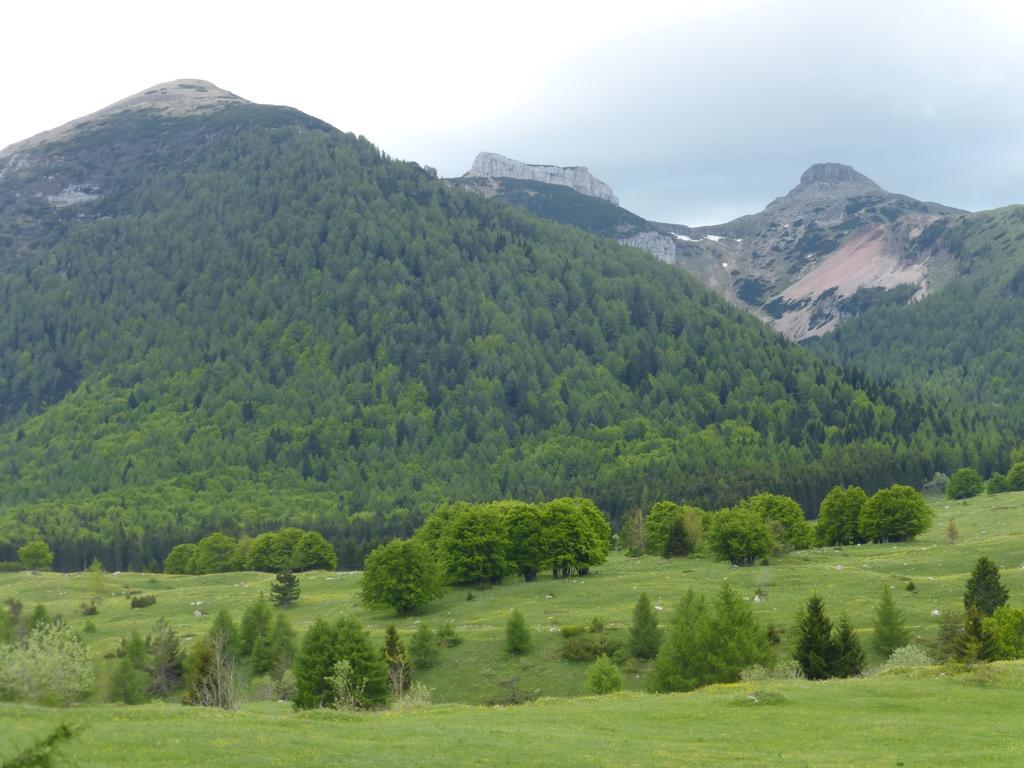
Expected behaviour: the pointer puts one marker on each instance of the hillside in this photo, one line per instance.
(226, 316)
(946, 713)
(965, 341)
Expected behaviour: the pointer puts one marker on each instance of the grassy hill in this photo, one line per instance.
(925, 717)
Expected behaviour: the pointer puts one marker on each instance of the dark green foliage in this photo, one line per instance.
(740, 536)
(312, 552)
(210, 673)
(965, 483)
(661, 519)
(588, 643)
(282, 644)
(447, 637)
(708, 645)
(1007, 627)
(1015, 477)
(42, 753)
(890, 631)
(423, 651)
(314, 664)
(604, 677)
(678, 543)
(985, 590)
(284, 591)
(165, 659)
(267, 322)
(577, 536)
(256, 623)
(397, 661)
(35, 556)
(839, 516)
(644, 634)
(224, 632)
(896, 513)
(524, 525)
(517, 635)
(143, 601)
(976, 643)
(784, 516)
(369, 670)
(817, 651)
(849, 654)
(997, 484)
(401, 575)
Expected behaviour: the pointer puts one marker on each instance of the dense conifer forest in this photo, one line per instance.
(261, 321)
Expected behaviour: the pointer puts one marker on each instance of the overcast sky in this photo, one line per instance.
(694, 112)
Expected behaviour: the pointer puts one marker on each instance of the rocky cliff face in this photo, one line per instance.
(494, 166)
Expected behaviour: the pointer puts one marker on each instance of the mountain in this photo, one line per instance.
(824, 252)
(228, 316)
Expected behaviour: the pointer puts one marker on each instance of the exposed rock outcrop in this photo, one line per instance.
(493, 166)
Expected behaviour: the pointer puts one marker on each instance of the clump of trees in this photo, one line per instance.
(824, 651)
(849, 516)
(290, 549)
(338, 666)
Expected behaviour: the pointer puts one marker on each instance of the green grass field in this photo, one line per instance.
(879, 720)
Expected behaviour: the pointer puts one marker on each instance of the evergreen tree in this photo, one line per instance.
(683, 659)
(677, 543)
(603, 676)
(816, 650)
(644, 634)
(284, 591)
(130, 680)
(976, 643)
(890, 632)
(369, 673)
(225, 629)
(165, 659)
(397, 660)
(423, 650)
(314, 664)
(256, 622)
(261, 655)
(517, 634)
(985, 590)
(282, 645)
(737, 640)
(849, 654)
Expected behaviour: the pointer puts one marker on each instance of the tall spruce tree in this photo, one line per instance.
(976, 643)
(284, 591)
(849, 654)
(315, 664)
(677, 542)
(890, 631)
(256, 622)
(816, 651)
(397, 660)
(985, 590)
(644, 634)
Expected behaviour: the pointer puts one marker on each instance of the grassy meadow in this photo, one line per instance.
(880, 720)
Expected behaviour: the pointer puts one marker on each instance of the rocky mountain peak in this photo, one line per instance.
(834, 180)
(494, 166)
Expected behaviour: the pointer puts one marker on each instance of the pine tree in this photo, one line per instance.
(977, 642)
(517, 634)
(397, 660)
(737, 640)
(256, 622)
(371, 686)
(226, 631)
(314, 664)
(677, 542)
(165, 659)
(603, 676)
(985, 590)
(682, 658)
(849, 654)
(423, 649)
(644, 634)
(890, 632)
(285, 589)
(282, 645)
(261, 655)
(816, 650)
(131, 676)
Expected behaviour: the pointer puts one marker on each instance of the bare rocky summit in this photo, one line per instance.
(494, 166)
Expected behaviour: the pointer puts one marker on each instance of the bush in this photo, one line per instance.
(143, 601)
(589, 645)
(964, 484)
(517, 634)
(907, 656)
(50, 667)
(604, 676)
(423, 648)
(896, 513)
(740, 536)
(447, 637)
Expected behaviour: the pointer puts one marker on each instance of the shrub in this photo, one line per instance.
(143, 601)
(50, 667)
(740, 536)
(965, 483)
(907, 656)
(604, 676)
(517, 634)
(447, 637)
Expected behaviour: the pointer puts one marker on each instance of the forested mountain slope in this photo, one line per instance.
(235, 317)
(964, 343)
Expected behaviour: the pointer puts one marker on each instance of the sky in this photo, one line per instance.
(694, 111)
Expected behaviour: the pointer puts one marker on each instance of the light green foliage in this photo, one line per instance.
(473, 546)
(397, 660)
(659, 521)
(784, 516)
(130, 681)
(214, 554)
(182, 559)
(907, 656)
(524, 525)
(977, 642)
(423, 650)
(517, 635)
(706, 645)
(890, 629)
(896, 513)
(256, 624)
(312, 552)
(740, 536)
(577, 535)
(50, 667)
(839, 516)
(1006, 626)
(965, 483)
(603, 676)
(997, 484)
(644, 634)
(1015, 477)
(984, 589)
(165, 659)
(225, 632)
(35, 556)
(401, 575)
